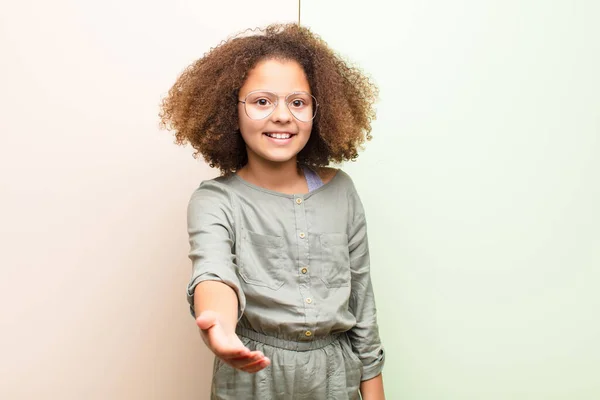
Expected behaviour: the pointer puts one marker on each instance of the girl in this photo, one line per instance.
(281, 287)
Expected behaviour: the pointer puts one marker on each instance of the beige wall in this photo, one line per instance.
(93, 196)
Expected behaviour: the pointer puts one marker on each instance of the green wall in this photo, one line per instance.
(482, 191)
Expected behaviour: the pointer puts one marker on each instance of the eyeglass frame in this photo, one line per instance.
(277, 104)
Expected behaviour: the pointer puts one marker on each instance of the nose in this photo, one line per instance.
(281, 113)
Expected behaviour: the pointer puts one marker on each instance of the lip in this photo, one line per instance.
(282, 132)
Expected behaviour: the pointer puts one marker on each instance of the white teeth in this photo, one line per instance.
(279, 135)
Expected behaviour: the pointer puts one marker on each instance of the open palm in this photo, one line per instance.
(228, 346)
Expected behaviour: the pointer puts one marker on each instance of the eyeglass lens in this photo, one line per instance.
(260, 105)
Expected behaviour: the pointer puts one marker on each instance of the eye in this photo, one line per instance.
(262, 102)
(297, 103)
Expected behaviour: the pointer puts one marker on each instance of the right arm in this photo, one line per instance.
(216, 307)
(214, 292)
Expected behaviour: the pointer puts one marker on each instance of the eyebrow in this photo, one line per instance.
(277, 93)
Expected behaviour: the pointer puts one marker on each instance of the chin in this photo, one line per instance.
(279, 157)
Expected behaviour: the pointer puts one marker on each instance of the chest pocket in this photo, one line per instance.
(335, 260)
(260, 259)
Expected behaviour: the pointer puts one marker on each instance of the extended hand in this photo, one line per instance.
(227, 346)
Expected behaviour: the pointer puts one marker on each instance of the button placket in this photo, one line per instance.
(303, 243)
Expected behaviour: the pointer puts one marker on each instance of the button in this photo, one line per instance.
(298, 201)
(302, 235)
(308, 333)
(309, 300)
(304, 270)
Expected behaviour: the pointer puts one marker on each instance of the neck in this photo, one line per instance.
(283, 177)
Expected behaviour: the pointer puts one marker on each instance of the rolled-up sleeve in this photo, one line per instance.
(364, 336)
(210, 222)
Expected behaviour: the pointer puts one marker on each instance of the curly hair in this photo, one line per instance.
(201, 107)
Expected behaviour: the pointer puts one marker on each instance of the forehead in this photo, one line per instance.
(279, 76)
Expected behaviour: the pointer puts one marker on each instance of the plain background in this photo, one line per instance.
(481, 188)
(93, 196)
(482, 192)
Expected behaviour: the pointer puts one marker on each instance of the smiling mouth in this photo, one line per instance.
(279, 135)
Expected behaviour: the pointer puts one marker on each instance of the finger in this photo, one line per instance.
(252, 356)
(239, 362)
(256, 366)
(245, 363)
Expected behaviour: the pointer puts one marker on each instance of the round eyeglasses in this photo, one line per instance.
(260, 104)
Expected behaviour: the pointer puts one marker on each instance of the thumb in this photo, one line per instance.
(207, 320)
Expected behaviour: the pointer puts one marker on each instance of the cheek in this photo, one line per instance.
(250, 129)
(245, 123)
(306, 129)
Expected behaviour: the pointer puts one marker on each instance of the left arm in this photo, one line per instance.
(364, 336)
(372, 389)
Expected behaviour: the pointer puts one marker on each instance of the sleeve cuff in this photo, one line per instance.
(371, 371)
